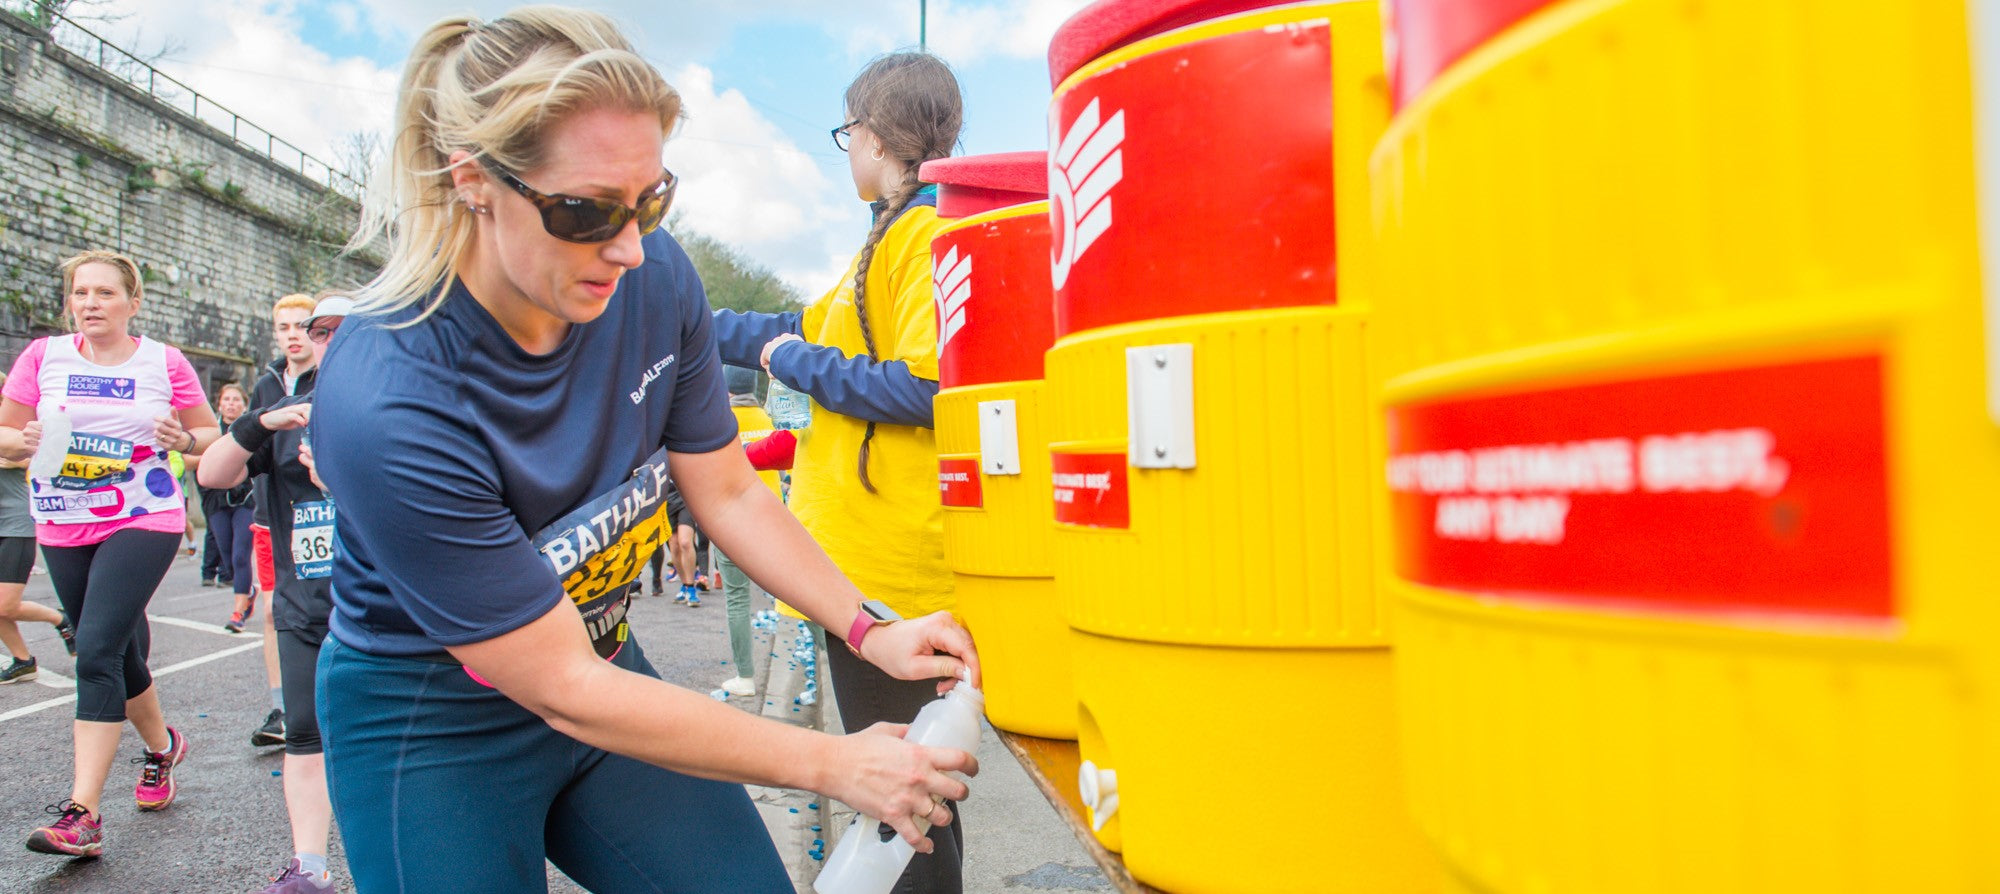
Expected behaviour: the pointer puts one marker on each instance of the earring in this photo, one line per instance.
(877, 154)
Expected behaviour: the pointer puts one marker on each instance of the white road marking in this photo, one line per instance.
(253, 643)
(203, 626)
(54, 680)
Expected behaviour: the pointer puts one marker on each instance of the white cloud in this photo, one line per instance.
(745, 181)
(747, 184)
(250, 58)
(969, 33)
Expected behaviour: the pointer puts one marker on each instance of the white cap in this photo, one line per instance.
(330, 306)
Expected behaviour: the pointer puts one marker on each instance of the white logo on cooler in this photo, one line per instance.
(1087, 163)
(952, 279)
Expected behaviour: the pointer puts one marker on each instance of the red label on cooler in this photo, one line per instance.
(996, 316)
(958, 483)
(1761, 490)
(1090, 489)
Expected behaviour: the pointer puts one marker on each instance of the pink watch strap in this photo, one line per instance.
(859, 631)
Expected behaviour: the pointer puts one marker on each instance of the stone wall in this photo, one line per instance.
(219, 229)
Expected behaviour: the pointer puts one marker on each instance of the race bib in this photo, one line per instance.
(599, 548)
(94, 461)
(312, 540)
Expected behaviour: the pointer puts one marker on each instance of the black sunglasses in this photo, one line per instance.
(842, 135)
(322, 334)
(589, 221)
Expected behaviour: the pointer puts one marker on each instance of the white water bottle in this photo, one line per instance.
(48, 461)
(789, 409)
(870, 855)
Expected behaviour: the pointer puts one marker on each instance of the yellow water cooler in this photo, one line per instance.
(1687, 446)
(1209, 447)
(996, 320)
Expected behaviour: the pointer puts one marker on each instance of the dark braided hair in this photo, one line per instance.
(910, 102)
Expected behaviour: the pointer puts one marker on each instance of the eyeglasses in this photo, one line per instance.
(590, 221)
(843, 135)
(322, 334)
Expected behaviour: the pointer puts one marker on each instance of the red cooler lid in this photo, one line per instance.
(975, 184)
(1426, 36)
(1109, 24)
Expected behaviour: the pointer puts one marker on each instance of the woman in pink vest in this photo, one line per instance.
(109, 520)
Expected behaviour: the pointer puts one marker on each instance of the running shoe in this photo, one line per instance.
(208, 582)
(690, 596)
(21, 671)
(75, 832)
(240, 617)
(67, 631)
(741, 687)
(156, 787)
(295, 881)
(273, 730)
(682, 596)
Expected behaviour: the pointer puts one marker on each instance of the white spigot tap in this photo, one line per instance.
(1098, 789)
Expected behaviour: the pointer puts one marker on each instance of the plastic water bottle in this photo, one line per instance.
(788, 408)
(871, 855)
(48, 461)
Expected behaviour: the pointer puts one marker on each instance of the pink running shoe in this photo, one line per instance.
(75, 832)
(156, 779)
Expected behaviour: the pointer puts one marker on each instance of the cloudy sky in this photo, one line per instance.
(762, 82)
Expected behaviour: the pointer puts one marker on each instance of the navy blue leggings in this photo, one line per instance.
(104, 588)
(443, 785)
(231, 529)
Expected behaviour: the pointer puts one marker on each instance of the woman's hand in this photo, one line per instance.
(287, 418)
(910, 650)
(167, 430)
(897, 782)
(772, 345)
(31, 436)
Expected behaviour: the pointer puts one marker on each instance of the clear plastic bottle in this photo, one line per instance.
(871, 855)
(789, 409)
(54, 448)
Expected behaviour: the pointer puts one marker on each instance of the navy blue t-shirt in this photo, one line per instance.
(478, 482)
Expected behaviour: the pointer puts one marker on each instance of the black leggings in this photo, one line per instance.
(104, 588)
(298, 670)
(868, 696)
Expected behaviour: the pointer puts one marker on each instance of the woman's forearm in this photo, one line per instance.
(686, 731)
(748, 523)
(203, 438)
(548, 667)
(12, 447)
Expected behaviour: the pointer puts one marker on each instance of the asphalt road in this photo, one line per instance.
(227, 832)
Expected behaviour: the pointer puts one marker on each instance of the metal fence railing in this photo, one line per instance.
(163, 88)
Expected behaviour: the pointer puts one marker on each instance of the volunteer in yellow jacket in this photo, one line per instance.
(864, 483)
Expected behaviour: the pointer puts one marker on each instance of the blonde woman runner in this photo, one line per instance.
(497, 422)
